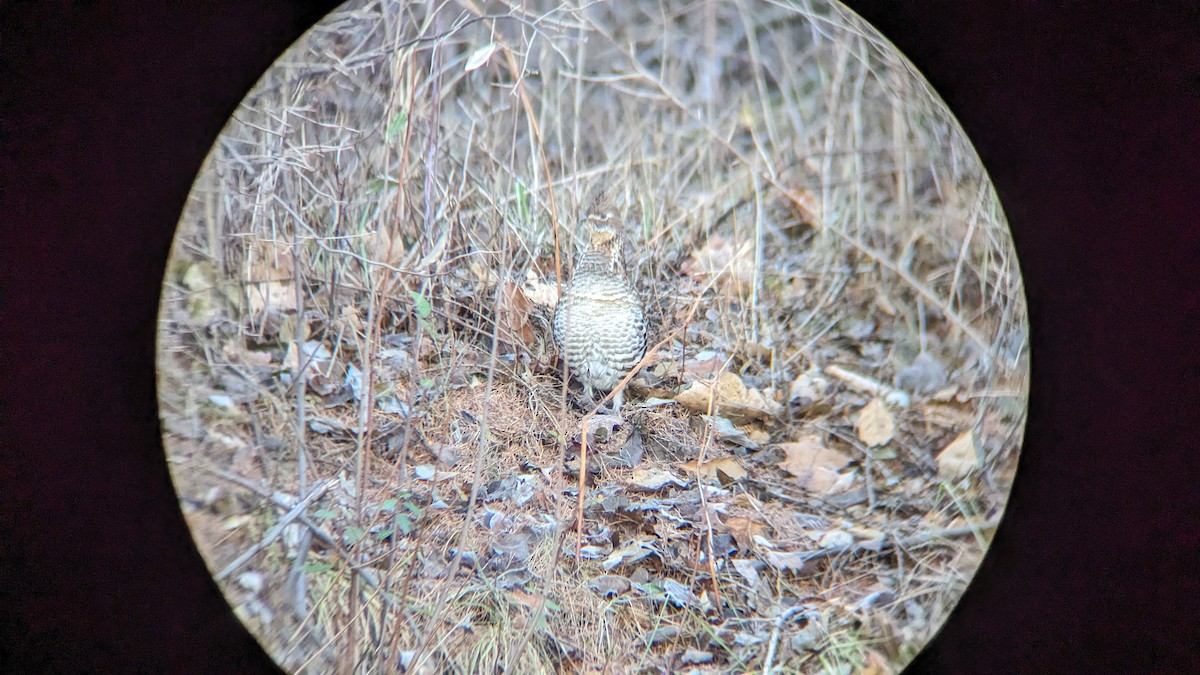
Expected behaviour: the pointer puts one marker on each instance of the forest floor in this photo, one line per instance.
(367, 422)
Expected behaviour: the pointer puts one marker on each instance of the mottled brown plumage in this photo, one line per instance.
(599, 323)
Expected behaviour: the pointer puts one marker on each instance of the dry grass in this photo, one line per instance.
(355, 320)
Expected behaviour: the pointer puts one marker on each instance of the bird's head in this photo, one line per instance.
(603, 221)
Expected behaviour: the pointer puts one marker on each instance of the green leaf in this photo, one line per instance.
(317, 567)
(396, 125)
(375, 186)
(523, 213)
(388, 505)
(352, 535)
(404, 523)
(383, 534)
(324, 514)
(420, 305)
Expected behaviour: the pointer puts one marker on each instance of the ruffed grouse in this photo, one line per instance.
(599, 323)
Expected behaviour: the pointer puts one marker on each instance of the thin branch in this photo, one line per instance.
(273, 534)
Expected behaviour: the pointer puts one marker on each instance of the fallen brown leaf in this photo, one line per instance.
(632, 551)
(269, 278)
(814, 466)
(875, 423)
(806, 205)
(808, 387)
(609, 585)
(876, 664)
(730, 397)
(512, 312)
(791, 561)
(539, 292)
(713, 468)
(726, 431)
(652, 480)
(958, 458)
(704, 368)
(744, 530)
(719, 256)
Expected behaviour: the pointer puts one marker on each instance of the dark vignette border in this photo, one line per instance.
(1087, 118)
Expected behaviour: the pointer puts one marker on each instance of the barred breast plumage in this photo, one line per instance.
(599, 323)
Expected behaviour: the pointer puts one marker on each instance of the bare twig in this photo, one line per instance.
(272, 534)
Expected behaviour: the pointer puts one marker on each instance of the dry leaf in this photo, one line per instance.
(744, 530)
(271, 295)
(632, 449)
(600, 428)
(948, 415)
(514, 545)
(678, 594)
(609, 585)
(868, 385)
(246, 461)
(791, 561)
(630, 552)
(884, 303)
(246, 356)
(809, 387)
(959, 458)
(876, 664)
(719, 257)
(525, 599)
(866, 533)
(748, 569)
(269, 279)
(652, 480)
(875, 423)
(512, 312)
(539, 292)
(234, 522)
(444, 452)
(427, 472)
(713, 469)
(924, 376)
(756, 436)
(664, 633)
(314, 355)
(349, 320)
(704, 365)
(835, 539)
(758, 350)
(206, 289)
(814, 466)
(382, 248)
(730, 397)
(485, 275)
(726, 431)
(806, 205)
(587, 552)
(812, 633)
(480, 56)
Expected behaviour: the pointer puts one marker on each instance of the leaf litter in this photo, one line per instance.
(815, 416)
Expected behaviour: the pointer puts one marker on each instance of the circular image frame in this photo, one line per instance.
(81, 597)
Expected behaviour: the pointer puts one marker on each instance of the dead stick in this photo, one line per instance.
(274, 532)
